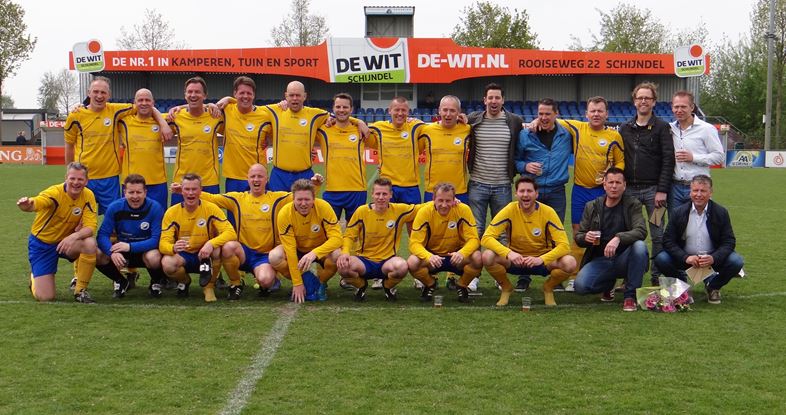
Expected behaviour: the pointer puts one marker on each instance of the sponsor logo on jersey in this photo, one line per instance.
(144, 226)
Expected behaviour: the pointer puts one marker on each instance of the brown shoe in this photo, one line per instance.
(713, 296)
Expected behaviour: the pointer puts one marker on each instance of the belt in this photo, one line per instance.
(682, 182)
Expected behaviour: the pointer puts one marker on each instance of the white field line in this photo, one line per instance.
(238, 398)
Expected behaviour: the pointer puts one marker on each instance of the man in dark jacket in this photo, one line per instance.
(699, 235)
(649, 160)
(612, 230)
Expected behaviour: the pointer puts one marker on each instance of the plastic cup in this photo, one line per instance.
(596, 235)
(526, 304)
(438, 301)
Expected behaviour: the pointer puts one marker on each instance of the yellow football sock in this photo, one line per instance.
(232, 266)
(548, 298)
(327, 272)
(500, 274)
(504, 297)
(32, 285)
(357, 282)
(181, 276)
(215, 269)
(578, 253)
(87, 264)
(391, 282)
(470, 273)
(422, 275)
(210, 294)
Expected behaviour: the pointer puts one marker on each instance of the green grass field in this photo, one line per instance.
(140, 356)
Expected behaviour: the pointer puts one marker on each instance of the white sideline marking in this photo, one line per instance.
(238, 398)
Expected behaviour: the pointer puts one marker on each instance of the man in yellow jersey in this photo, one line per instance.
(345, 167)
(255, 212)
(309, 233)
(538, 244)
(64, 225)
(294, 131)
(244, 134)
(197, 144)
(398, 146)
(375, 233)
(143, 148)
(90, 140)
(193, 232)
(444, 238)
(446, 144)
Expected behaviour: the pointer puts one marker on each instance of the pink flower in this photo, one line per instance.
(651, 302)
(683, 298)
(668, 307)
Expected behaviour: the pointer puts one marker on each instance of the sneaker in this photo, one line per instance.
(450, 284)
(360, 293)
(377, 284)
(713, 296)
(72, 285)
(182, 290)
(607, 296)
(473, 285)
(170, 284)
(345, 285)
(276, 286)
(629, 305)
(234, 292)
(417, 284)
(322, 292)
(463, 294)
(558, 287)
(205, 272)
(120, 288)
(427, 293)
(522, 285)
(132, 277)
(390, 294)
(263, 292)
(571, 287)
(155, 290)
(83, 297)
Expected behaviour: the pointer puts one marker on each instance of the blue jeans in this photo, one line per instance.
(555, 198)
(600, 274)
(679, 195)
(482, 195)
(646, 195)
(725, 270)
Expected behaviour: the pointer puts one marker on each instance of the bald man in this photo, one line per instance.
(143, 149)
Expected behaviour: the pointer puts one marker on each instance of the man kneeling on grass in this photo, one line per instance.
(194, 232)
(538, 243)
(444, 238)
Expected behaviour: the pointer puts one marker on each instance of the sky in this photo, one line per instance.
(229, 24)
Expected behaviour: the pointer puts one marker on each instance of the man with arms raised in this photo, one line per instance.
(193, 232)
(375, 230)
(63, 227)
(538, 243)
(444, 238)
(136, 222)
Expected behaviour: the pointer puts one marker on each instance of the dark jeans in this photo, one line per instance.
(725, 270)
(646, 195)
(600, 274)
(481, 196)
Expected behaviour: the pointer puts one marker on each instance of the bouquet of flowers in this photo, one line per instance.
(670, 297)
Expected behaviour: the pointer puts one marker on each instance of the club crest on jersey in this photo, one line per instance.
(536, 232)
(201, 222)
(144, 226)
(314, 228)
(76, 211)
(249, 127)
(107, 122)
(154, 128)
(206, 129)
(390, 224)
(457, 141)
(404, 134)
(602, 142)
(264, 208)
(451, 225)
(353, 138)
(303, 122)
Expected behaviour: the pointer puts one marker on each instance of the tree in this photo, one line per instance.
(485, 24)
(300, 28)
(6, 101)
(154, 33)
(759, 27)
(15, 45)
(58, 92)
(626, 28)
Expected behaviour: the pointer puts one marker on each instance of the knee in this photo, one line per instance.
(663, 260)
(580, 285)
(413, 263)
(276, 256)
(229, 249)
(735, 261)
(89, 246)
(44, 297)
(569, 264)
(475, 260)
(488, 258)
(639, 248)
(169, 264)
(152, 259)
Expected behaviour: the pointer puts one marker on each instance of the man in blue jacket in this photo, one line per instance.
(699, 234)
(544, 155)
(135, 221)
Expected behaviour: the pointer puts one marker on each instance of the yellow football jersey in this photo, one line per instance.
(92, 134)
(344, 152)
(398, 151)
(595, 151)
(244, 139)
(434, 234)
(197, 146)
(255, 217)
(143, 149)
(538, 234)
(206, 223)
(57, 215)
(377, 236)
(318, 231)
(294, 135)
(446, 155)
